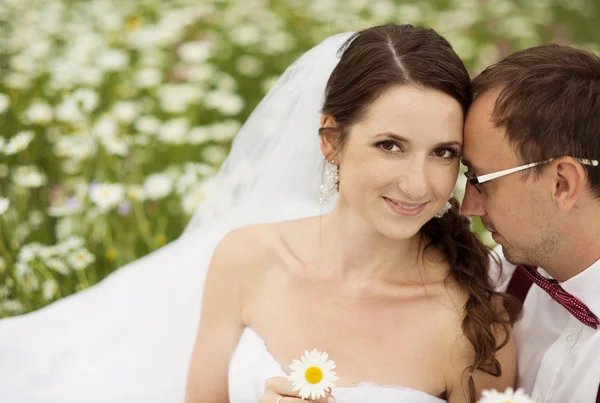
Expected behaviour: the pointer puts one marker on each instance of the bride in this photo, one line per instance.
(389, 283)
(395, 295)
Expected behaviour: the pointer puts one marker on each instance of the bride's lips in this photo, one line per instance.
(405, 209)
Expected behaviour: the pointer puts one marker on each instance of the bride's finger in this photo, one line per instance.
(280, 386)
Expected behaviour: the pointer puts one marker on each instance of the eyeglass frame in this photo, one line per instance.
(475, 181)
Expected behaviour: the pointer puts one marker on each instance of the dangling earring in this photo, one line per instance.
(446, 208)
(331, 182)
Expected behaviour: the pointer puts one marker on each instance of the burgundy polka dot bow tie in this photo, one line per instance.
(571, 303)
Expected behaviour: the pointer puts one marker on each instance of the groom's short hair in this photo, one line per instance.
(549, 104)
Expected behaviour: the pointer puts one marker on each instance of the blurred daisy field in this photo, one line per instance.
(115, 114)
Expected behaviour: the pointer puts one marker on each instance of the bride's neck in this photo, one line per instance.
(352, 248)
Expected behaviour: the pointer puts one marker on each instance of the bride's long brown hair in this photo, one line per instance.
(374, 60)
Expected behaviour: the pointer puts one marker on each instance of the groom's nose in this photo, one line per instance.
(473, 202)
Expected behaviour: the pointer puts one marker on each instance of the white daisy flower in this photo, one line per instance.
(57, 265)
(39, 113)
(113, 60)
(125, 111)
(147, 125)
(225, 102)
(174, 131)
(4, 102)
(29, 176)
(80, 259)
(4, 205)
(313, 375)
(18, 143)
(158, 186)
(195, 52)
(87, 98)
(107, 195)
(508, 396)
(49, 289)
(148, 77)
(69, 112)
(136, 193)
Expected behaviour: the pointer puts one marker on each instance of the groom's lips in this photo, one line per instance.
(492, 230)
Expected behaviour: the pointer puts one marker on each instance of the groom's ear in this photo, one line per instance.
(569, 179)
(329, 134)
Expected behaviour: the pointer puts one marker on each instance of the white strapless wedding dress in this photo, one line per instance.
(252, 364)
(129, 339)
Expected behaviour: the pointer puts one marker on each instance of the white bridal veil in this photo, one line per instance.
(129, 338)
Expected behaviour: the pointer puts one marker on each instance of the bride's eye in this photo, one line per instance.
(446, 153)
(389, 146)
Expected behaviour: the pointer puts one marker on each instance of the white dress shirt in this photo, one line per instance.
(558, 356)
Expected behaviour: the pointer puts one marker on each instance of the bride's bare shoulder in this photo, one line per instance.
(256, 245)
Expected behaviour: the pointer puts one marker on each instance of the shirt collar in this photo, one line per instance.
(586, 287)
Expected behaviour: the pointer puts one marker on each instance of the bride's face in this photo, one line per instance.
(400, 162)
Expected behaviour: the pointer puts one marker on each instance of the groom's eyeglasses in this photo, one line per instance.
(477, 181)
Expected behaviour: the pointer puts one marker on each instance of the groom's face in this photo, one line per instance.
(512, 207)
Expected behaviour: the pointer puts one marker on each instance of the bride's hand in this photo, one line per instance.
(279, 390)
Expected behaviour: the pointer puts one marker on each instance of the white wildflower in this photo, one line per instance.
(226, 103)
(125, 111)
(36, 218)
(199, 135)
(192, 200)
(115, 146)
(17, 81)
(57, 265)
(195, 52)
(22, 269)
(136, 192)
(278, 42)
(68, 111)
(80, 259)
(269, 83)
(225, 131)
(29, 252)
(90, 75)
(49, 289)
(88, 99)
(73, 242)
(200, 73)
(4, 205)
(148, 78)
(31, 283)
(106, 127)
(147, 124)
(107, 195)
(23, 63)
(113, 60)
(28, 176)
(174, 131)
(249, 66)
(18, 143)
(158, 186)
(214, 154)
(4, 102)
(246, 35)
(39, 113)
(12, 306)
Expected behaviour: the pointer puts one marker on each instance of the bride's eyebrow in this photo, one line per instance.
(392, 135)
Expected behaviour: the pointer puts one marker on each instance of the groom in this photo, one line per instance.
(532, 149)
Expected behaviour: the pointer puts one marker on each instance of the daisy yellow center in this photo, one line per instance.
(313, 375)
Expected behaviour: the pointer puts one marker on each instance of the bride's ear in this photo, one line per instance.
(329, 133)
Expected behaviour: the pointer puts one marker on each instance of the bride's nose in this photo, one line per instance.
(413, 182)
